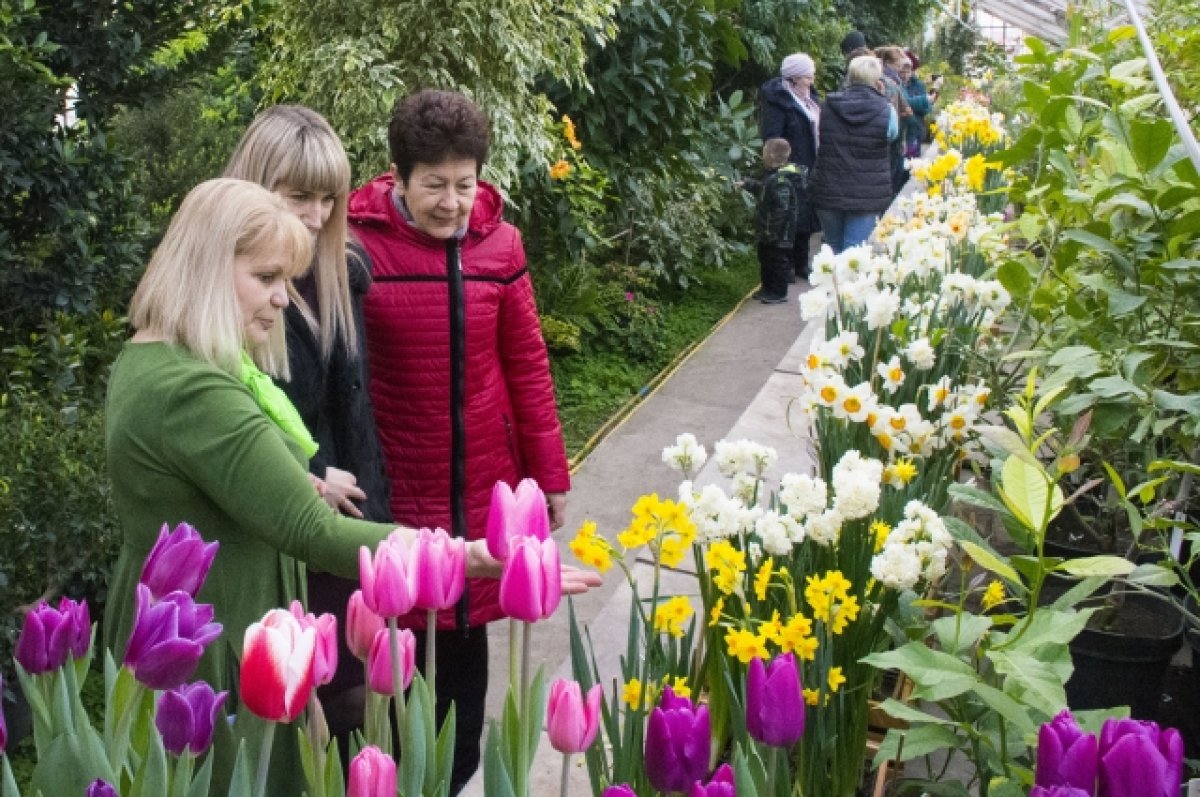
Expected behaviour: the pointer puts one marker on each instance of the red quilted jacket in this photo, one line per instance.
(512, 428)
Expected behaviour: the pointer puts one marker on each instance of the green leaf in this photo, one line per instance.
(924, 740)
(975, 497)
(959, 632)
(1103, 566)
(937, 675)
(1150, 141)
(1035, 679)
(990, 561)
(1029, 493)
(8, 784)
(1100, 244)
(150, 780)
(1173, 402)
(1108, 387)
(1152, 575)
(1015, 278)
(496, 779)
(239, 785)
(910, 713)
(1013, 711)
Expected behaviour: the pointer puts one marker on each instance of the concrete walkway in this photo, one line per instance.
(738, 383)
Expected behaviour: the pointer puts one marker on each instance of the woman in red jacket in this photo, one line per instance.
(460, 380)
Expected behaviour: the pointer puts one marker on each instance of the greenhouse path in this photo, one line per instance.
(737, 383)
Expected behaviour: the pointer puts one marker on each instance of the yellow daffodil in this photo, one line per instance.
(836, 679)
(812, 697)
(994, 595)
(631, 693)
(880, 531)
(714, 616)
(592, 549)
(762, 579)
(670, 616)
(679, 686)
(727, 564)
(745, 645)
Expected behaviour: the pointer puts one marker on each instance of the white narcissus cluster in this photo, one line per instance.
(802, 495)
(686, 456)
(743, 456)
(779, 533)
(916, 550)
(856, 485)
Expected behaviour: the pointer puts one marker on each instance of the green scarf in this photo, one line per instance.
(277, 405)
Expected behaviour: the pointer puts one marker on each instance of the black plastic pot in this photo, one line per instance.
(1125, 666)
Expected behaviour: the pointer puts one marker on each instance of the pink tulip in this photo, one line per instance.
(570, 722)
(276, 675)
(361, 626)
(325, 658)
(513, 515)
(439, 568)
(531, 584)
(372, 774)
(386, 586)
(379, 663)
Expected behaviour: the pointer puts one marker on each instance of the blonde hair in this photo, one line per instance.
(294, 146)
(865, 70)
(187, 295)
(891, 54)
(776, 152)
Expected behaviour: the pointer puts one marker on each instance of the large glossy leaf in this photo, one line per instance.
(1150, 141)
(1106, 566)
(937, 675)
(988, 560)
(1028, 493)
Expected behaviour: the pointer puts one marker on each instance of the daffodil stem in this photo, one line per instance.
(397, 675)
(264, 760)
(430, 649)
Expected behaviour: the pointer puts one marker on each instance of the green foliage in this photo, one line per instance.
(885, 21)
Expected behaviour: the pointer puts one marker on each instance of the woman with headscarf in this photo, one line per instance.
(791, 110)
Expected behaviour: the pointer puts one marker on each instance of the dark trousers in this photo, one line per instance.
(800, 255)
(462, 678)
(774, 266)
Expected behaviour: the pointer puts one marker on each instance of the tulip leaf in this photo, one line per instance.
(534, 715)
(496, 780)
(150, 780)
(8, 784)
(443, 761)
(411, 776)
(201, 780)
(1105, 566)
(239, 783)
(749, 774)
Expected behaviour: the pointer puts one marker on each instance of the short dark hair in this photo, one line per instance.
(432, 126)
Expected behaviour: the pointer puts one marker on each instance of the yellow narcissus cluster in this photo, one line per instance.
(664, 525)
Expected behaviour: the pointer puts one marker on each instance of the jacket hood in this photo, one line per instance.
(857, 105)
(775, 91)
(372, 205)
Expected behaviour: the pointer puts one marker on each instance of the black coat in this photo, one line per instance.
(781, 117)
(853, 172)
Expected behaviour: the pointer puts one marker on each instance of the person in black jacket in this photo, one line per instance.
(292, 150)
(775, 220)
(852, 184)
(791, 110)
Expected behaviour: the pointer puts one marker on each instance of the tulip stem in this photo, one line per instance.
(397, 676)
(526, 637)
(514, 673)
(431, 648)
(566, 768)
(264, 760)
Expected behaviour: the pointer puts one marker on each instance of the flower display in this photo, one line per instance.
(531, 585)
(387, 586)
(362, 625)
(179, 561)
(186, 717)
(438, 568)
(276, 673)
(49, 636)
(677, 740)
(169, 637)
(516, 513)
(572, 720)
(775, 701)
(372, 774)
(379, 661)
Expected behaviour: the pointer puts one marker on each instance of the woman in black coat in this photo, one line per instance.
(791, 110)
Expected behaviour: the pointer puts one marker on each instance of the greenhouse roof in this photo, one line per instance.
(1047, 19)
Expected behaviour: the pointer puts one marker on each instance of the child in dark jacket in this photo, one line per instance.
(776, 219)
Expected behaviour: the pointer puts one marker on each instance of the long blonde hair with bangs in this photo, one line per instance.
(187, 295)
(294, 146)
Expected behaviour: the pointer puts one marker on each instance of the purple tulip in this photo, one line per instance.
(531, 584)
(1066, 756)
(775, 701)
(1058, 791)
(1139, 759)
(619, 790)
(50, 635)
(516, 514)
(168, 638)
(101, 788)
(186, 717)
(178, 562)
(677, 741)
(720, 785)
(439, 568)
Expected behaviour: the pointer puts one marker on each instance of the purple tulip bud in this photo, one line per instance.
(619, 790)
(168, 638)
(1066, 756)
(677, 741)
(720, 785)
(186, 717)
(178, 562)
(775, 702)
(101, 788)
(49, 635)
(1139, 759)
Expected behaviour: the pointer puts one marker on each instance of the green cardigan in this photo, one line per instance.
(187, 442)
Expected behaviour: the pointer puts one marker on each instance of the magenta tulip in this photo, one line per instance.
(572, 723)
(513, 515)
(276, 674)
(775, 701)
(531, 584)
(719, 785)
(1058, 791)
(361, 626)
(619, 790)
(372, 774)
(1066, 755)
(386, 585)
(168, 638)
(379, 662)
(49, 636)
(325, 658)
(439, 569)
(1139, 759)
(179, 561)
(100, 788)
(186, 717)
(677, 740)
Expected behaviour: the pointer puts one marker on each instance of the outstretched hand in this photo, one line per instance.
(481, 564)
(576, 581)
